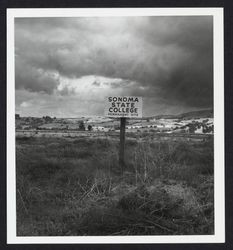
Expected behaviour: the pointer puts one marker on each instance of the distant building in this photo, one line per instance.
(100, 128)
(25, 127)
(199, 130)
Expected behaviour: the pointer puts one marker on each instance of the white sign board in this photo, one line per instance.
(123, 106)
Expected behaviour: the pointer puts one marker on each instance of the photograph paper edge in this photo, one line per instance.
(218, 237)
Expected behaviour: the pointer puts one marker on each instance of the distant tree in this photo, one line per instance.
(207, 129)
(47, 118)
(89, 127)
(81, 126)
(191, 128)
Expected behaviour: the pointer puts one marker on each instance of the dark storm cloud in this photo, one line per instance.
(34, 79)
(167, 57)
(191, 80)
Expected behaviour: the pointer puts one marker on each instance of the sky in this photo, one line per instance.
(66, 67)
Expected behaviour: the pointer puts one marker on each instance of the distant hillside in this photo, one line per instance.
(197, 114)
(164, 117)
(188, 115)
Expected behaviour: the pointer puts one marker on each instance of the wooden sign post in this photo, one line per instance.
(123, 107)
(122, 143)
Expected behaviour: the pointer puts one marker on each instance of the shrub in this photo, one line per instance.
(81, 126)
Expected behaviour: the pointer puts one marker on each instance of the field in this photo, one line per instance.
(74, 186)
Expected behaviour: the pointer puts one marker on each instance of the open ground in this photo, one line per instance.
(74, 186)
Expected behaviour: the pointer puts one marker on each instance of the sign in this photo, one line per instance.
(123, 106)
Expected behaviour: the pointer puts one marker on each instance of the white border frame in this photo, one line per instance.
(219, 164)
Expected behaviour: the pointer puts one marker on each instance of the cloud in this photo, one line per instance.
(97, 84)
(34, 78)
(38, 104)
(169, 59)
(25, 104)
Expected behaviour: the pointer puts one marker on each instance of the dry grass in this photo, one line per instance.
(75, 187)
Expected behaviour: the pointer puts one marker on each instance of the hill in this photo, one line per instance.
(197, 114)
(188, 115)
